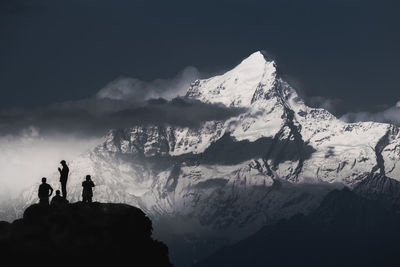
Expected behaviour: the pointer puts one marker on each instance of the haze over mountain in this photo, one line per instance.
(220, 180)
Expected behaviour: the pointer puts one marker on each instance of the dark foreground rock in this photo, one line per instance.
(81, 235)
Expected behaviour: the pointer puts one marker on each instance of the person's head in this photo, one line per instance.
(44, 180)
(58, 192)
(87, 177)
(63, 162)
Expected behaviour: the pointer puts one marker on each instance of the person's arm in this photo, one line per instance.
(51, 190)
(59, 170)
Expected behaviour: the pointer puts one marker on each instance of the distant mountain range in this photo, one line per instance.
(210, 186)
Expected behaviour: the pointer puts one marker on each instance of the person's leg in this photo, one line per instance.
(64, 189)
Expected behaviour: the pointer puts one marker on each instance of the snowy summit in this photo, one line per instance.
(223, 174)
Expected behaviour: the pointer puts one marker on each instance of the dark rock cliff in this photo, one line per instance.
(81, 234)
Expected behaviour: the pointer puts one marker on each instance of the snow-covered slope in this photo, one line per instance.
(278, 137)
(274, 160)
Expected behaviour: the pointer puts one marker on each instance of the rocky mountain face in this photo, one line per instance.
(382, 189)
(226, 179)
(81, 235)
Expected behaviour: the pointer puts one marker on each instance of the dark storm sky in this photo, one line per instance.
(53, 51)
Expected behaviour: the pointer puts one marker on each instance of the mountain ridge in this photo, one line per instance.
(276, 159)
(345, 230)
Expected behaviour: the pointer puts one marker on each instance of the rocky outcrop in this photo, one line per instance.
(81, 234)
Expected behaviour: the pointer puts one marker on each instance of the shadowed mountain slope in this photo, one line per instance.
(380, 188)
(346, 230)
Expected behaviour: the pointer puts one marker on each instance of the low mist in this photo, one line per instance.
(34, 140)
(25, 159)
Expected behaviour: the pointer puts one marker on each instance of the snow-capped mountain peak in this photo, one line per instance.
(241, 172)
(237, 87)
(278, 137)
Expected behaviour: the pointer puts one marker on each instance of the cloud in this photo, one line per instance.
(389, 115)
(327, 103)
(331, 104)
(27, 157)
(34, 140)
(93, 117)
(179, 111)
(135, 90)
(124, 102)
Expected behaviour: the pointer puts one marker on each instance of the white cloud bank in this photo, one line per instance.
(135, 90)
(389, 115)
(26, 158)
(66, 130)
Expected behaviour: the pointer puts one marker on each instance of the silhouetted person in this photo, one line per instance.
(45, 191)
(58, 200)
(87, 192)
(63, 178)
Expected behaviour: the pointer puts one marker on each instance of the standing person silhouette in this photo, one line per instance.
(63, 178)
(87, 192)
(45, 191)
